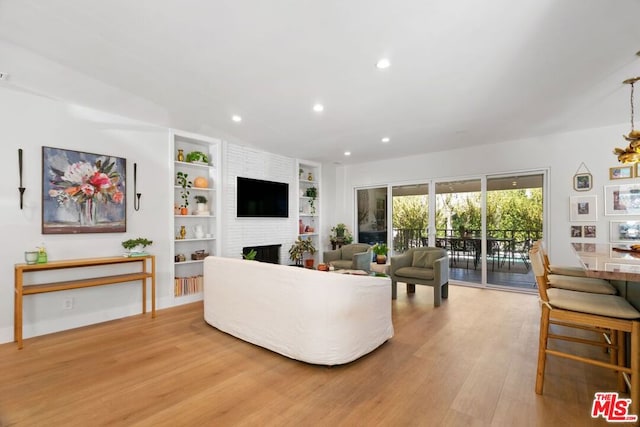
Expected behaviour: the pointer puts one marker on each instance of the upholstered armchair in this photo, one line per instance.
(422, 266)
(355, 256)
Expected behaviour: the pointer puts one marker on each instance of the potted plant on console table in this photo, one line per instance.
(135, 247)
(299, 248)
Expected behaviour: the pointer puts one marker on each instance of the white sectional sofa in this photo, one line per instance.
(313, 316)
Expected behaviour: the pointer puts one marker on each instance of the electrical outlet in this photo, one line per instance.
(68, 303)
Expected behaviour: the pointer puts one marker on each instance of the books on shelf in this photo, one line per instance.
(188, 285)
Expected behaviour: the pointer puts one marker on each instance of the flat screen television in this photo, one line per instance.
(258, 198)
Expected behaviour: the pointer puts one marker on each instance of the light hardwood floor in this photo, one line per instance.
(470, 362)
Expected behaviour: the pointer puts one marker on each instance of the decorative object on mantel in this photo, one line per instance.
(21, 188)
(582, 181)
(631, 154)
(136, 199)
(82, 192)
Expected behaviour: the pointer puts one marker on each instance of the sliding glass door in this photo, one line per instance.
(410, 212)
(485, 223)
(372, 215)
(514, 218)
(458, 225)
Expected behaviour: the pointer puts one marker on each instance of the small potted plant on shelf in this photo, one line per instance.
(135, 247)
(340, 235)
(299, 248)
(312, 194)
(381, 250)
(197, 157)
(201, 204)
(183, 181)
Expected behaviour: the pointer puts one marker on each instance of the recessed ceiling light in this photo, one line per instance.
(386, 139)
(347, 153)
(236, 118)
(383, 63)
(318, 108)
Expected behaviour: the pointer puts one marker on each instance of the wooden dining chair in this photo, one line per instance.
(564, 270)
(595, 312)
(570, 281)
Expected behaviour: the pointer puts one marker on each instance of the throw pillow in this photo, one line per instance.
(420, 259)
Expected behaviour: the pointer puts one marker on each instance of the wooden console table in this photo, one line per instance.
(21, 289)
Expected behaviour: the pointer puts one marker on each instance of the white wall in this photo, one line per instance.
(562, 154)
(29, 122)
(241, 232)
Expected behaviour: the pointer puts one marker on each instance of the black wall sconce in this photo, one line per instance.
(21, 188)
(136, 199)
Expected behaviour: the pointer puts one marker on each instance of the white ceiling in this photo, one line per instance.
(464, 72)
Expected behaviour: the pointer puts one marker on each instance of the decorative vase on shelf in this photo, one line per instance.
(310, 177)
(199, 232)
(300, 227)
(180, 155)
(183, 232)
(200, 182)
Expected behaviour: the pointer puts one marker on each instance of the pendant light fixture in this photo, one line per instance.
(631, 154)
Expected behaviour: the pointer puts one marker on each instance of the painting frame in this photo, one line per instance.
(583, 208)
(83, 192)
(621, 172)
(624, 231)
(576, 231)
(622, 199)
(589, 231)
(582, 182)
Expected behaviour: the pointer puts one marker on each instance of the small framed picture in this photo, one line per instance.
(621, 172)
(624, 231)
(576, 231)
(582, 182)
(589, 231)
(622, 199)
(583, 208)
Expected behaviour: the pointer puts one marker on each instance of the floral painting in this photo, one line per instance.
(82, 192)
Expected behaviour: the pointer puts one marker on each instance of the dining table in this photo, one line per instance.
(610, 261)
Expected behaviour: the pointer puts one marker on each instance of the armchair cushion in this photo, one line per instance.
(348, 251)
(415, 273)
(420, 259)
(342, 264)
(356, 256)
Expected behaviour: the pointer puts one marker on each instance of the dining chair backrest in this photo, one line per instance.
(539, 271)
